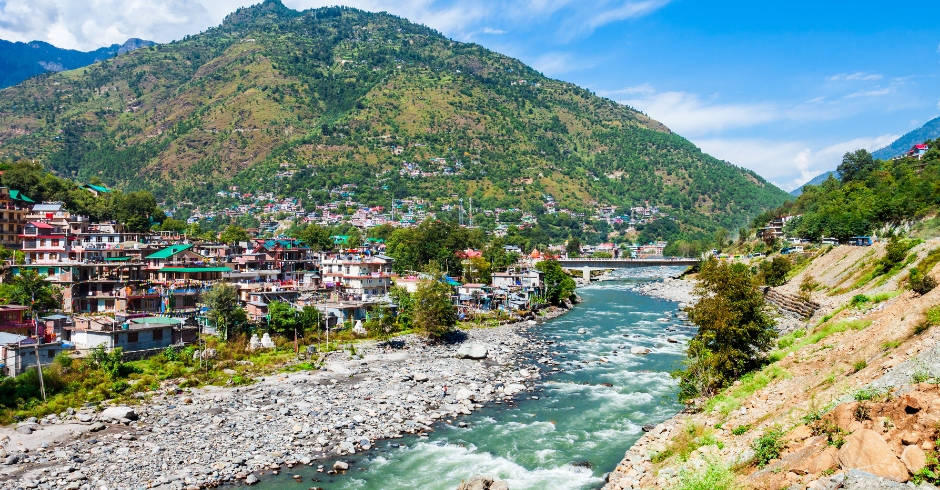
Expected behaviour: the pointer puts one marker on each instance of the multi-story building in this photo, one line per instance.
(359, 275)
(14, 207)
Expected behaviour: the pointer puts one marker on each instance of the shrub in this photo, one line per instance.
(741, 429)
(774, 272)
(768, 447)
(921, 283)
(895, 253)
(715, 476)
(119, 386)
(931, 319)
(63, 360)
(859, 365)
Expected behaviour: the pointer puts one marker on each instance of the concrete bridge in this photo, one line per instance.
(587, 265)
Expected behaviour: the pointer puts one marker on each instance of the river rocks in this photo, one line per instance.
(483, 482)
(118, 413)
(341, 465)
(639, 350)
(582, 331)
(24, 429)
(470, 350)
(867, 451)
(215, 435)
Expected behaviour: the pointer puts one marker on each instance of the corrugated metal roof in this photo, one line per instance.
(47, 207)
(11, 338)
(168, 252)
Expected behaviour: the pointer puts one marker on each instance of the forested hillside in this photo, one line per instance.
(870, 195)
(303, 102)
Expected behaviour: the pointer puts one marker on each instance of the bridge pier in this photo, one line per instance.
(586, 271)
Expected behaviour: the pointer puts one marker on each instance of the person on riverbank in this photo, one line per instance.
(444, 394)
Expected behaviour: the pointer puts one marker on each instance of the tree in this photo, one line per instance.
(558, 285)
(480, 270)
(401, 297)
(734, 331)
(29, 288)
(282, 317)
(434, 315)
(856, 166)
(234, 234)
(316, 237)
(774, 272)
(224, 308)
(309, 318)
(573, 247)
(382, 324)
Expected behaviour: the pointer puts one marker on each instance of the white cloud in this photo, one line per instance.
(864, 76)
(689, 114)
(490, 30)
(871, 93)
(788, 164)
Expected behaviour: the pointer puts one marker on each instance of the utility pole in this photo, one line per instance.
(42, 384)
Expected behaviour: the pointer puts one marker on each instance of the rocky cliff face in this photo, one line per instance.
(851, 401)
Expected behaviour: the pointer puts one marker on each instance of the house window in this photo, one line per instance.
(158, 335)
(50, 353)
(132, 337)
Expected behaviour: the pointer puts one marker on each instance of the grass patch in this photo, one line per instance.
(690, 438)
(859, 365)
(732, 397)
(931, 319)
(715, 476)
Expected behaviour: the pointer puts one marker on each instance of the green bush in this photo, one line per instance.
(741, 429)
(119, 386)
(715, 476)
(767, 447)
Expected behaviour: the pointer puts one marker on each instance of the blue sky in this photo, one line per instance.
(784, 88)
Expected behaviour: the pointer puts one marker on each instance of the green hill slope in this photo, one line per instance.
(335, 96)
(930, 130)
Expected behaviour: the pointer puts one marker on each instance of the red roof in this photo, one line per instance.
(40, 225)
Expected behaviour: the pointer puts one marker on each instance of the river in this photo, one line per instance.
(576, 418)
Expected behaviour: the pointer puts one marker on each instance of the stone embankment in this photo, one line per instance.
(792, 304)
(197, 438)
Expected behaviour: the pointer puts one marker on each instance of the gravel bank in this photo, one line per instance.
(204, 437)
(679, 290)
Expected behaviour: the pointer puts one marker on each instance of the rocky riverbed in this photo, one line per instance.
(197, 438)
(672, 289)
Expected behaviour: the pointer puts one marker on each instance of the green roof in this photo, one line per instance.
(98, 188)
(118, 258)
(19, 196)
(168, 252)
(195, 269)
(340, 238)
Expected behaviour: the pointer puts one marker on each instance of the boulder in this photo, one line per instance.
(340, 465)
(866, 450)
(24, 429)
(483, 482)
(582, 331)
(251, 480)
(913, 458)
(464, 394)
(421, 377)
(83, 417)
(118, 413)
(471, 350)
(816, 464)
(639, 350)
(513, 388)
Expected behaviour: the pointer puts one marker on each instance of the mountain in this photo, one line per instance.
(928, 131)
(19, 61)
(333, 102)
(819, 179)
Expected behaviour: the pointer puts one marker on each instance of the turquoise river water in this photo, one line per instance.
(576, 418)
